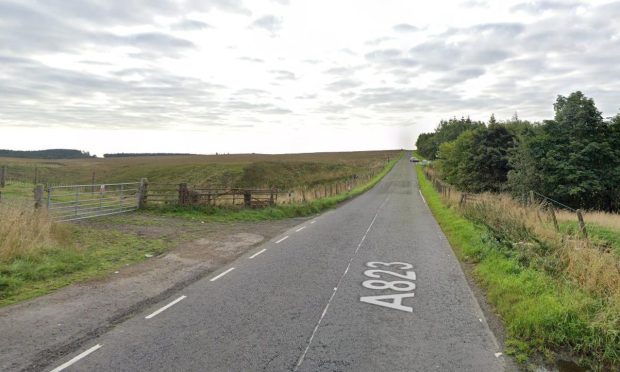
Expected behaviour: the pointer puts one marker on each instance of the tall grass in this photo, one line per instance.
(38, 255)
(530, 232)
(25, 231)
(554, 289)
(604, 219)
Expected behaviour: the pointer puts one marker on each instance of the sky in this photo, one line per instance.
(278, 76)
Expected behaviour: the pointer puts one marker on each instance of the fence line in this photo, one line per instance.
(76, 202)
(547, 203)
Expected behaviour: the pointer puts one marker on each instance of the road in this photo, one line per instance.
(370, 286)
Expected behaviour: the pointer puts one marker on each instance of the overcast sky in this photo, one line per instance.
(272, 76)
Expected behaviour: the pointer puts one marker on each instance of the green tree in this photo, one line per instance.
(477, 160)
(574, 158)
(447, 131)
(425, 145)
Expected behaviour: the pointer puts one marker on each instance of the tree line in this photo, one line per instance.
(573, 158)
(46, 154)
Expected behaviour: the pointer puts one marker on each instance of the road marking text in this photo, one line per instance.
(392, 301)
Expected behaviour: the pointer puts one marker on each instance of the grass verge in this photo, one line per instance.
(223, 214)
(543, 313)
(63, 254)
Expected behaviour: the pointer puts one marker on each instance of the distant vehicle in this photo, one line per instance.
(413, 159)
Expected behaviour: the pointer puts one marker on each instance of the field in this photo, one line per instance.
(555, 290)
(241, 170)
(38, 255)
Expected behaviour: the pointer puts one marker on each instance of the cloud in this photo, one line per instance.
(383, 54)
(405, 27)
(268, 23)
(461, 75)
(283, 75)
(502, 29)
(377, 41)
(152, 40)
(252, 59)
(343, 84)
(133, 97)
(190, 25)
(138, 64)
(538, 6)
(474, 4)
(28, 30)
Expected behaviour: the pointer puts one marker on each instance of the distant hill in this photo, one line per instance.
(47, 154)
(129, 154)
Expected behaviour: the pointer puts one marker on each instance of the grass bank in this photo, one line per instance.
(552, 294)
(38, 255)
(228, 214)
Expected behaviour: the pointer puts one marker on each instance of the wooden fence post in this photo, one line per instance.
(38, 196)
(531, 197)
(142, 192)
(463, 199)
(247, 199)
(3, 176)
(271, 199)
(555, 220)
(183, 194)
(582, 224)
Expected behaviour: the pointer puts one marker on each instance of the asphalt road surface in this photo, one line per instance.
(370, 286)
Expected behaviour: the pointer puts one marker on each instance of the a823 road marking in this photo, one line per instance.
(404, 285)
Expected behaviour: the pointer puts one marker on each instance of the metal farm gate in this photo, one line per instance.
(76, 202)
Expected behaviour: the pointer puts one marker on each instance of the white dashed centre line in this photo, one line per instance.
(303, 355)
(72, 361)
(283, 239)
(312, 221)
(222, 274)
(257, 253)
(165, 307)
(301, 228)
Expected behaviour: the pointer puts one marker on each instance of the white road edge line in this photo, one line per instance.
(165, 307)
(257, 253)
(281, 240)
(312, 221)
(72, 361)
(301, 228)
(424, 200)
(222, 274)
(316, 328)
